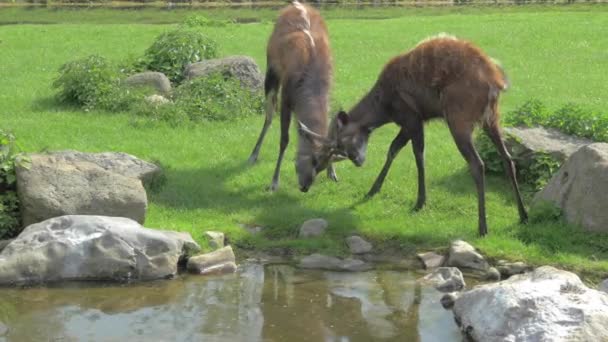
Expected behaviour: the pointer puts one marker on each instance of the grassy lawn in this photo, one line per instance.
(551, 53)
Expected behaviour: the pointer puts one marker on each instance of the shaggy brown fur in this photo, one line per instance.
(299, 63)
(442, 77)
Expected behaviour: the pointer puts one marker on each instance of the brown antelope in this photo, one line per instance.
(442, 77)
(299, 63)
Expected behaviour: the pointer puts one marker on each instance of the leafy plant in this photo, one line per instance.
(9, 202)
(543, 211)
(87, 81)
(571, 119)
(173, 50)
(195, 21)
(210, 98)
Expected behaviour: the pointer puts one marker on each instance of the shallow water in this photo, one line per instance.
(272, 303)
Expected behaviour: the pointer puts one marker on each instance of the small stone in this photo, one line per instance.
(445, 279)
(358, 245)
(431, 259)
(448, 300)
(604, 286)
(151, 79)
(223, 268)
(508, 269)
(313, 228)
(215, 239)
(462, 254)
(492, 274)
(324, 262)
(214, 262)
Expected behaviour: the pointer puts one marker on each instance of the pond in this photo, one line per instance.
(259, 303)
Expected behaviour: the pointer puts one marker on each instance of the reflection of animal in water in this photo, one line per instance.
(298, 63)
(442, 77)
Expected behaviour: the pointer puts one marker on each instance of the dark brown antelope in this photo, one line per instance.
(299, 63)
(442, 77)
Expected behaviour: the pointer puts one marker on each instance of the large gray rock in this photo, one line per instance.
(544, 305)
(579, 188)
(463, 255)
(79, 247)
(218, 261)
(243, 68)
(65, 184)
(357, 245)
(117, 162)
(151, 79)
(324, 262)
(445, 279)
(525, 142)
(4, 243)
(604, 286)
(313, 228)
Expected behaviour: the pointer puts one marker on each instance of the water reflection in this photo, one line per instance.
(278, 303)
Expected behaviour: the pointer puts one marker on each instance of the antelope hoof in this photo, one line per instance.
(332, 175)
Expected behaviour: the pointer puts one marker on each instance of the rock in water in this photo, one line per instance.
(544, 305)
(218, 261)
(79, 247)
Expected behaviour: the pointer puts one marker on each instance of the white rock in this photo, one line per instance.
(544, 305)
(319, 261)
(445, 279)
(218, 261)
(431, 259)
(462, 254)
(215, 239)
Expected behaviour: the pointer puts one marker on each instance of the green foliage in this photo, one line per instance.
(210, 98)
(544, 211)
(9, 203)
(87, 81)
(571, 119)
(489, 154)
(173, 50)
(195, 21)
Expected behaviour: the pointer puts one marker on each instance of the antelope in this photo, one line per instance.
(299, 64)
(442, 77)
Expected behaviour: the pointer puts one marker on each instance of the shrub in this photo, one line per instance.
(195, 21)
(173, 50)
(9, 203)
(210, 98)
(571, 119)
(87, 81)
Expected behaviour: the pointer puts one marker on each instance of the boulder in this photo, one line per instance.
(243, 68)
(544, 305)
(492, 274)
(604, 286)
(525, 142)
(445, 279)
(116, 162)
(357, 245)
(100, 248)
(4, 243)
(215, 239)
(65, 184)
(579, 188)
(151, 79)
(431, 259)
(218, 261)
(313, 228)
(462, 254)
(319, 261)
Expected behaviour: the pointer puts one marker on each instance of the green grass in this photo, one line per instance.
(551, 53)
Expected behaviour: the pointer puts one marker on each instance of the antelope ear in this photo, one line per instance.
(341, 119)
(307, 133)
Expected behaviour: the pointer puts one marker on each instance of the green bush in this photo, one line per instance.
(87, 81)
(571, 119)
(195, 21)
(210, 98)
(94, 82)
(173, 50)
(9, 203)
